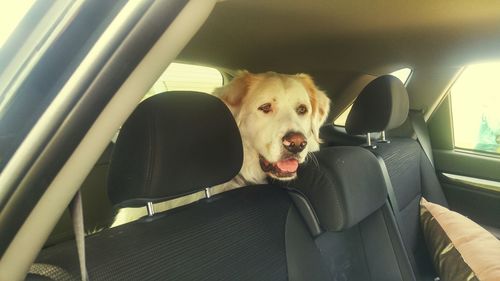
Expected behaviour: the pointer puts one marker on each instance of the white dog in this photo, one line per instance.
(279, 117)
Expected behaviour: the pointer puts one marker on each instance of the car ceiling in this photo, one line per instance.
(339, 42)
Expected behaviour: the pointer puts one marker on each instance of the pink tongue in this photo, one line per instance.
(288, 165)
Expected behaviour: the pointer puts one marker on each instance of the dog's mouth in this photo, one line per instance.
(284, 169)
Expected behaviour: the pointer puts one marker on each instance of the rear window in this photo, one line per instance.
(403, 74)
(187, 77)
(475, 104)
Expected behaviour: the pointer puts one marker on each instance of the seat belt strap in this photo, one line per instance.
(393, 202)
(420, 129)
(76, 211)
(390, 189)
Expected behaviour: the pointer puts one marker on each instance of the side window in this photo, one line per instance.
(187, 77)
(403, 74)
(475, 102)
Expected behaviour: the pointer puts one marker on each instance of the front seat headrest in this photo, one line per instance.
(173, 144)
(382, 105)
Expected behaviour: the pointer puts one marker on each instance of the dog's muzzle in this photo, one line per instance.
(294, 142)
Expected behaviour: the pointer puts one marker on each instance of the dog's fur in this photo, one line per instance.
(262, 133)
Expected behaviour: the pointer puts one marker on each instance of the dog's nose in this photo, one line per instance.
(294, 142)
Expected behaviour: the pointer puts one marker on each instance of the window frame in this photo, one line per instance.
(184, 64)
(465, 150)
(24, 185)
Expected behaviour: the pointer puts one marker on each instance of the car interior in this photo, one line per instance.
(108, 106)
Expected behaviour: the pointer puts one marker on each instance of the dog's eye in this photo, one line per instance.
(266, 108)
(301, 109)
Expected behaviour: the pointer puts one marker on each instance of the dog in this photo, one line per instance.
(279, 117)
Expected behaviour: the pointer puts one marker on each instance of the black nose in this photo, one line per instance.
(294, 142)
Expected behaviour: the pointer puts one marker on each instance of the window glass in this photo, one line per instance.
(340, 121)
(403, 74)
(187, 77)
(475, 103)
(11, 13)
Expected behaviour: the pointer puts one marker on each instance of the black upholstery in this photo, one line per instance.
(184, 140)
(346, 188)
(410, 172)
(381, 105)
(360, 242)
(246, 234)
(251, 233)
(412, 176)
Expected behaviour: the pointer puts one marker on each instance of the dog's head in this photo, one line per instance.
(279, 117)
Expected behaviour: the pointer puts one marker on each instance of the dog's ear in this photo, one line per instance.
(320, 104)
(235, 91)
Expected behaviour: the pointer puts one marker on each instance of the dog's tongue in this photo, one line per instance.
(288, 165)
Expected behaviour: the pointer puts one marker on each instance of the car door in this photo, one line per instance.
(77, 72)
(465, 135)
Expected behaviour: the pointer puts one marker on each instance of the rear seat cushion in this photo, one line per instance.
(344, 186)
(461, 249)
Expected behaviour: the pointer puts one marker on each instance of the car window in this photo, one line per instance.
(187, 77)
(403, 74)
(31, 43)
(10, 16)
(475, 105)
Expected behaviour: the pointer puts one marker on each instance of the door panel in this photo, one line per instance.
(482, 202)
(470, 179)
(464, 163)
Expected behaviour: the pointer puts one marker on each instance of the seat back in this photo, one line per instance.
(176, 144)
(381, 106)
(359, 238)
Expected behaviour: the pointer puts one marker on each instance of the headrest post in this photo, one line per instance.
(207, 192)
(150, 208)
(369, 141)
(383, 138)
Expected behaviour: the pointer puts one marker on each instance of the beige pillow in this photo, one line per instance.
(460, 248)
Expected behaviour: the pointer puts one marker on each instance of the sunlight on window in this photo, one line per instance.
(340, 121)
(402, 74)
(187, 77)
(475, 100)
(11, 13)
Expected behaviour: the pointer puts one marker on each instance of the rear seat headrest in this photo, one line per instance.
(382, 105)
(344, 187)
(173, 144)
